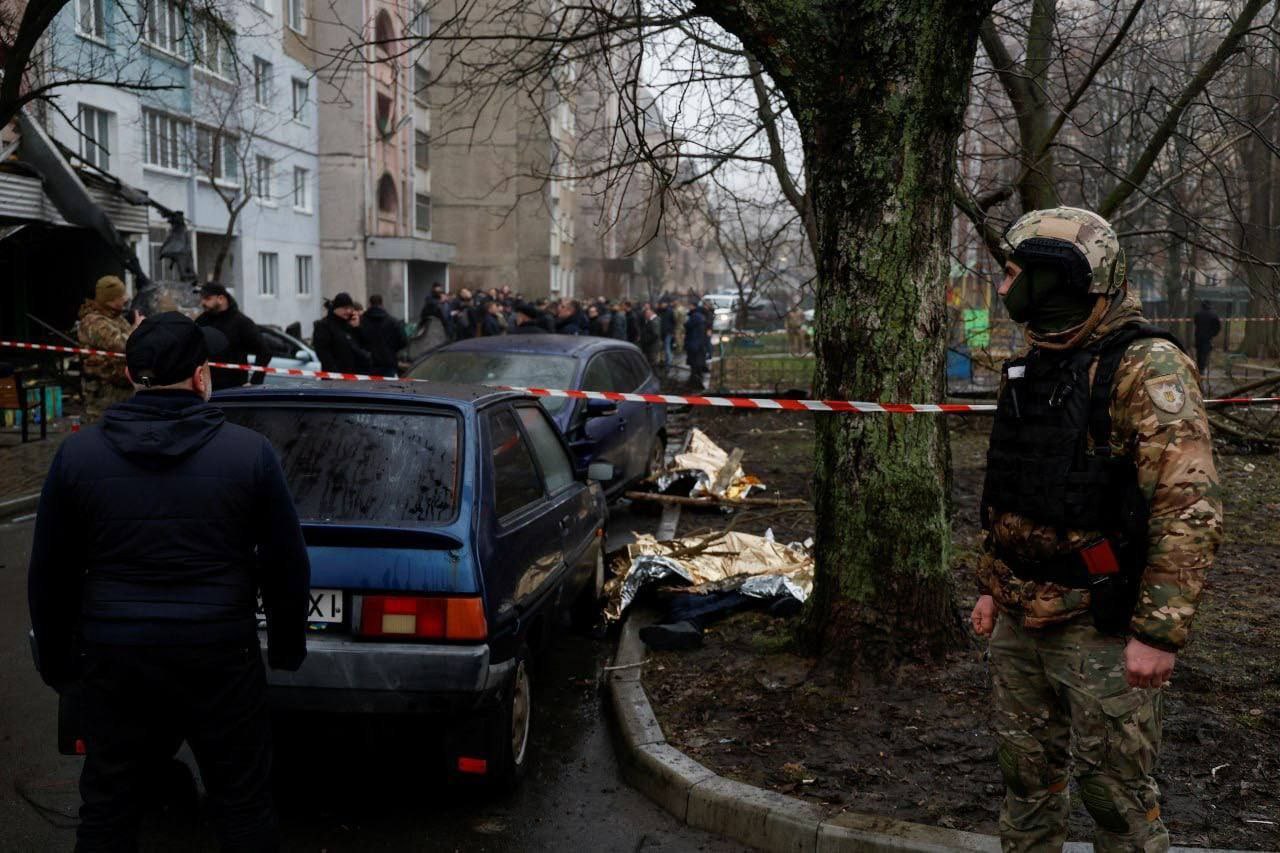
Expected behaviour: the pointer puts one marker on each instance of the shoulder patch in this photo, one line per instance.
(1167, 393)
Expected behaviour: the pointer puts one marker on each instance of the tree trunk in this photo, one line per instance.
(880, 154)
(1257, 240)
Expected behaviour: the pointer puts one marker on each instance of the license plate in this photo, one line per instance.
(324, 606)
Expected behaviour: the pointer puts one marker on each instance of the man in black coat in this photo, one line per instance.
(335, 340)
(155, 530)
(383, 336)
(1207, 326)
(528, 319)
(697, 344)
(243, 338)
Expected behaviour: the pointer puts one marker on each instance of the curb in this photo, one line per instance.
(19, 506)
(764, 820)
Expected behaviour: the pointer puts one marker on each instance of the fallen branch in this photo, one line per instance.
(714, 501)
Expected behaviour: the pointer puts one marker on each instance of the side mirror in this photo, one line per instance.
(601, 408)
(301, 355)
(600, 472)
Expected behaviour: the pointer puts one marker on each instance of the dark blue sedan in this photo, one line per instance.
(629, 436)
(447, 530)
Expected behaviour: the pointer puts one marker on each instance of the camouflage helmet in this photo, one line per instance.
(1085, 230)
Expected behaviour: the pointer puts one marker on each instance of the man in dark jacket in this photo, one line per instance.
(697, 343)
(667, 320)
(528, 320)
(1207, 327)
(618, 322)
(436, 308)
(155, 530)
(383, 336)
(335, 339)
(243, 338)
(651, 336)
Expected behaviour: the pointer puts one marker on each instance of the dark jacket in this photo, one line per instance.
(1207, 327)
(156, 527)
(335, 342)
(384, 337)
(618, 325)
(695, 332)
(492, 326)
(436, 308)
(464, 321)
(243, 339)
(530, 327)
(668, 320)
(651, 338)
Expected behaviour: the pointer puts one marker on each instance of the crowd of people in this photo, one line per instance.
(350, 339)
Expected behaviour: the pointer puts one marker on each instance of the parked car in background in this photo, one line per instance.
(447, 531)
(286, 352)
(631, 437)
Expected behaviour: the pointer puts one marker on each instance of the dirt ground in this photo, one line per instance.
(917, 746)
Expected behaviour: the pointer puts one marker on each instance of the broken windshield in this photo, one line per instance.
(363, 466)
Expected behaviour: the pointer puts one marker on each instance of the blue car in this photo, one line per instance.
(631, 437)
(448, 532)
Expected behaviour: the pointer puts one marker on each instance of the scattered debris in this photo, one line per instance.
(704, 469)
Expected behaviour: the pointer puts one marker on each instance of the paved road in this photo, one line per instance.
(349, 788)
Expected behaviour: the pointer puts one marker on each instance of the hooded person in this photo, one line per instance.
(243, 338)
(336, 341)
(155, 530)
(103, 326)
(1102, 514)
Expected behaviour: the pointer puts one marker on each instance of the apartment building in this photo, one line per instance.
(376, 224)
(225, 131)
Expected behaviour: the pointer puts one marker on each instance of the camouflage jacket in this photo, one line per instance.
(102, 328)
(1158, 420)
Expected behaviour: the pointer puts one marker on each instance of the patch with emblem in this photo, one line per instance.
(1167, 393)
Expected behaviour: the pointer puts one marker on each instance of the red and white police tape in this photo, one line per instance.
(850, 406)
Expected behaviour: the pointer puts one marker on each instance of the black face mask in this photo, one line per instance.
(1040, 297)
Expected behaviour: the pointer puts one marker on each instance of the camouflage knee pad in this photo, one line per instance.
(1100, 801)
(1025, 769)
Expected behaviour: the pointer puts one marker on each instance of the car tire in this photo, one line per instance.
(514, 727)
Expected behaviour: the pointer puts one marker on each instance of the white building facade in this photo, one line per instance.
(225, 131)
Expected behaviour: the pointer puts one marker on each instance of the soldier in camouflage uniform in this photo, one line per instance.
(1044, 582)
(103, 326)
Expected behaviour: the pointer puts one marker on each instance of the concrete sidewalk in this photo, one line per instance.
(23, 467)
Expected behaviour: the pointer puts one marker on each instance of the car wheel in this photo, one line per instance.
(515, 727)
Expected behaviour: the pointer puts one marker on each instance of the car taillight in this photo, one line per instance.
(423, 618)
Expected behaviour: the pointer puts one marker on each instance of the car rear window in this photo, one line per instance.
(348, 465)
(521, 369)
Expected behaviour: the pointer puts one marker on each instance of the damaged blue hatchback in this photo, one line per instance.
(448, 532)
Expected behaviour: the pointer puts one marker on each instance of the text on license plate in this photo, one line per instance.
(323, 605)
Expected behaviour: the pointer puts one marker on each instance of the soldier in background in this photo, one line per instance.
(1102, 513)
(104, 326)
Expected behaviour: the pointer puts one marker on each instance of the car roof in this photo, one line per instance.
(404, 391)
(577, 346)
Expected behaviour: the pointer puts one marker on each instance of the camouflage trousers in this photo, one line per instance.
(1060, 696)
(98, 396)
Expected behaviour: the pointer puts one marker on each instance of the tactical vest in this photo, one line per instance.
(1050, 455)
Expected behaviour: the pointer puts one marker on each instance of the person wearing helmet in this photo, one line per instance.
(1102, 515)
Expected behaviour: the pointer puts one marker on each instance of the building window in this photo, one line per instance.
(95, 144)
(301, 94)
(385, 115)
(268, 274)
(422, 211)
(388, 200)
(304, 275)
(421, 150)
(91, 19)
(212, 44)
(296, 18)
(262, 81)
(164, 141)
(262, 178)
(217, 157)
(163, 25)
(421, 79)
(301, 201)
(384, 31)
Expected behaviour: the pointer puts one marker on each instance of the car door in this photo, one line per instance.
(522, 560)
(573, 504)
(654, 417)
(607, 434)
(628, 377)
